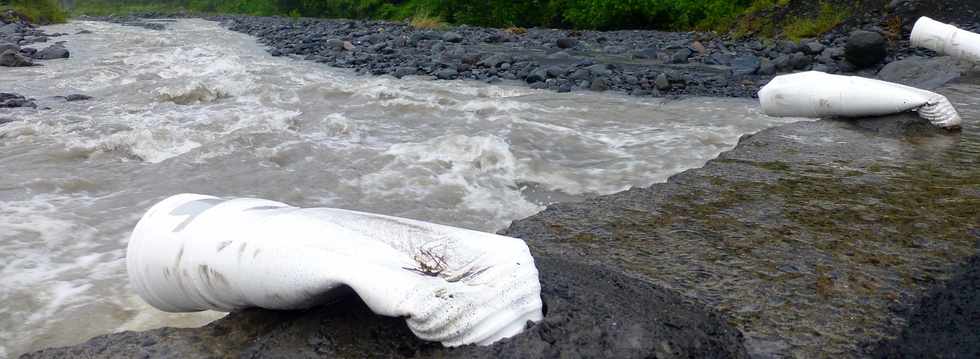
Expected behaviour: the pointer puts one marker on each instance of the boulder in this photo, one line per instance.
(566, 43)
(11, 58)
(12, 100)
(10, 29)
(599, 85)
(745, 65)
(453, 37)
(865, 49)
(56, 51)
(924, 73)
(681, 56)
(662, 82)
(592, 312)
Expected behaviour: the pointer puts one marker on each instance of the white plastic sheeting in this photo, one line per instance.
(946, 39)
(816, 95)
(456, 286)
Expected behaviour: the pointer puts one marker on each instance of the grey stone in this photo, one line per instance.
(56, 51)
(453, 37)
(799, 61)
(745, 65)
(10, 29)
(600, 70)
(447, 74)
(11, 58)
(925, 73)
(566, 43)
(865, 49)
(813, 47)
(681, 56)
(647, 53)
(77, 97)
(662, 82)
(599, 85)
(767, 67)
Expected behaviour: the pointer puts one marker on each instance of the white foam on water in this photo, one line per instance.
(196, 108)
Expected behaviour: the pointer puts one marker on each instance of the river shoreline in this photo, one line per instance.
(639, 63)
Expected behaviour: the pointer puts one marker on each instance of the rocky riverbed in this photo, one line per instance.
(640, 63)
(842, 238)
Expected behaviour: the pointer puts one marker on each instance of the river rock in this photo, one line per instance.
(865, 49)
(10, 29)
(745, 65)
(925, 73)
(12, 100)
(57, 51)
(453, 37)
(77, 97)
(591, 312)
(599, 85)
(681, 56)
(662, 82)
(566, 43)
(11, 58)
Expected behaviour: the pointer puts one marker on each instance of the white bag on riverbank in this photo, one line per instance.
(456, 286)
(816, 95)
(946, 39)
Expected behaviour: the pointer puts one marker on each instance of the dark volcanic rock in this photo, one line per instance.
(11, 58)
(57, 51)
(865, 48)
(566, 43)
(745, 65)
(925, 73)
(77, 97)
(591, 312)
(946, 323)
(811, 247)
(12, 100)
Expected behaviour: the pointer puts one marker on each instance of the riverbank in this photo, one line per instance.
(639, 63)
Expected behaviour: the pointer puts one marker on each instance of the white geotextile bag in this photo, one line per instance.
(816, 94)
(946, 39)
(456, 286)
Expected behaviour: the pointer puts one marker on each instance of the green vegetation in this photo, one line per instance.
(830, 16)
(37, 11)
(579, 14)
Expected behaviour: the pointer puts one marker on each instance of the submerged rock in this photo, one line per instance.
(591, 312)
(12, 100)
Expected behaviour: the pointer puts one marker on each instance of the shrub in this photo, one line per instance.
(39, 11)
(830, 16)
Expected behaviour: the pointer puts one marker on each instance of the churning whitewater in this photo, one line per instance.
(196, 108)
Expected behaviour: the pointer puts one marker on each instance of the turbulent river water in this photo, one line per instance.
(197, 108)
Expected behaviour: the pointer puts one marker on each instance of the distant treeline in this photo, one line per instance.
(578, 14)
(38, 11)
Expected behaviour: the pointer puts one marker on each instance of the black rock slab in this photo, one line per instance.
(592, 312)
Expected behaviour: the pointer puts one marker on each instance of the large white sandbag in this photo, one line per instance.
(456, 286)
(946, 39)
(816, 94)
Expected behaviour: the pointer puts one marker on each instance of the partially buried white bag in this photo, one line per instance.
(816, 94)
(456, 286)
